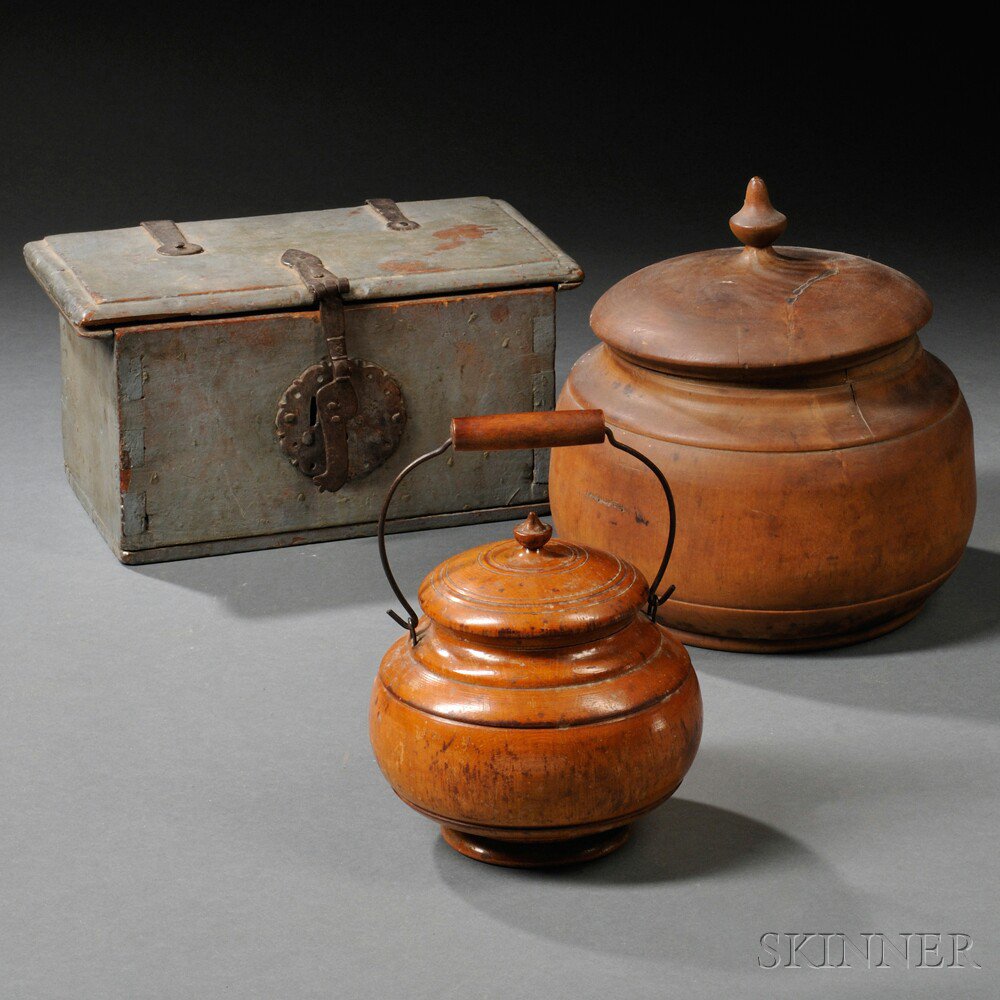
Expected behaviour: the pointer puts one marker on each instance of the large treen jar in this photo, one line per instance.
(821, 459)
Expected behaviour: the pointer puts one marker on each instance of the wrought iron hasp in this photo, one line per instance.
(341, 418)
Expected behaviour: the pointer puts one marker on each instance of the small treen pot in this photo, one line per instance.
(536, 709)
(821, 459)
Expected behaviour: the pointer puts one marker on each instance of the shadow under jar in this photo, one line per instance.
(537, 709)
(821, 459)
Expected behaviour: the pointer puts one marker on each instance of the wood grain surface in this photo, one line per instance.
(540, 713)
(507, 431)
(821, 460)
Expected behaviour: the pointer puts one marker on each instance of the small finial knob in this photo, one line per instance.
(758, 223)
(532, 532)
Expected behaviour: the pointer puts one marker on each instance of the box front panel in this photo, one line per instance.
(205, 461)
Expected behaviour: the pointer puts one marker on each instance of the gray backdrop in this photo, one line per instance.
(190, 805)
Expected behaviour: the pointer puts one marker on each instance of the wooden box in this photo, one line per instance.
(194, 356)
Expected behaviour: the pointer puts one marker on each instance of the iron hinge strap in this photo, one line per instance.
(393, 215)
(171, 241)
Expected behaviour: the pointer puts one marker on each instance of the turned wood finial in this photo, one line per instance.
(532, 532)
(758, 223)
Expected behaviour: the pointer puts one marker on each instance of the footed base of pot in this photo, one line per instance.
(799, 645)
(537, 853)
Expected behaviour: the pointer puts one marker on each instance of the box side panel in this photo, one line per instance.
(204, 461)
(90, 428)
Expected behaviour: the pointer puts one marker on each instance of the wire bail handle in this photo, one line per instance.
(513, 431)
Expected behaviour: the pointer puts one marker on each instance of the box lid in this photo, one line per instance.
(118, 276)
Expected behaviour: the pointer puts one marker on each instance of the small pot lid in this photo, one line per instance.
(761, 310)
(532, 588)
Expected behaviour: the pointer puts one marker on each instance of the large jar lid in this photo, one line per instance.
(532, 588)
(761, 310)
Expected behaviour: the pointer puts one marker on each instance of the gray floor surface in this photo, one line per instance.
(191, 807)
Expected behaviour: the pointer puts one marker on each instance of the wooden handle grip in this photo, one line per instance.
(510, 431)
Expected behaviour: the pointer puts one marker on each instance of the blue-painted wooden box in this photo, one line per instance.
(175, 364)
